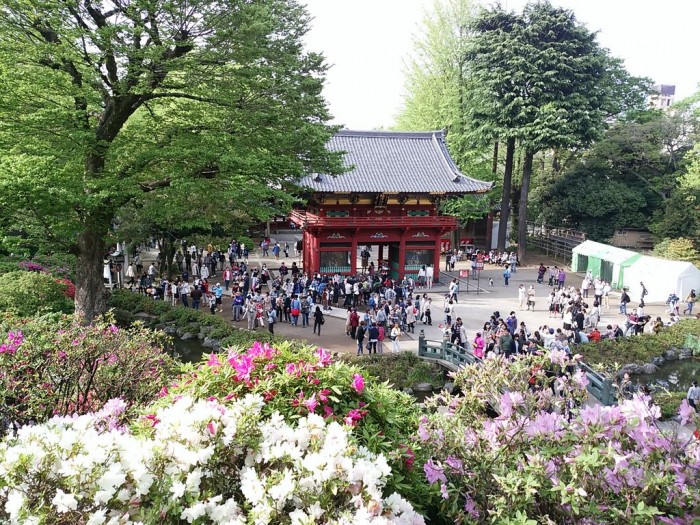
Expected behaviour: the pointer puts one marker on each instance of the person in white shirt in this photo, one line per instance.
(606, 295)
(522, 293)
(694, 395)
(429, 271)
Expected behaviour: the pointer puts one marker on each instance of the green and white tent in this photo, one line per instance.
(603, 260)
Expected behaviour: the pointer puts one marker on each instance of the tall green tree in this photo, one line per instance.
(437, 87)
(101, 101)
(541, 79)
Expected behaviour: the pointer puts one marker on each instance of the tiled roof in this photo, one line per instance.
(392, 162)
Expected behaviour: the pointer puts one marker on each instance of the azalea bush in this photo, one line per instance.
(200, 462)
(639, 349)
(126, 303)
(298, 381)
(29, 293)
(401, 370)
(53, 365)
(540, 459)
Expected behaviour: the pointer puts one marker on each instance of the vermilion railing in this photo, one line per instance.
(310, 219)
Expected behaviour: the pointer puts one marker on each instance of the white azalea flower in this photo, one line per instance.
(64, 502)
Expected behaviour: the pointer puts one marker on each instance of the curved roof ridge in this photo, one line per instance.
(381, 161)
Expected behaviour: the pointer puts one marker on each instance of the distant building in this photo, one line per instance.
(663, 96)
(633, 239)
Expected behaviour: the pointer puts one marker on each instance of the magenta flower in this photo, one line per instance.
(354, 416)
(433, 473)
(243, 365)
(311, 403)
(327, 411)
(358, 383)
(163, 392)
(324, 356)
(213, 360)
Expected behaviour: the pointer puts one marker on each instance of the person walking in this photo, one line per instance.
(506, 275)
(689, 302)
(694, 396)
(561, 278)
(237, 306)
(373, 338)
(250, 311)
(395, 337)
(380, 338)
(429, 274)
(453, 290)
(184, 293)
(522, 293)
(531, 298)
(218, 295)
(271, 319)
(318, 320)
(360, 337)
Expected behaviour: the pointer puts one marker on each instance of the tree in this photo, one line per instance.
(437, 87)
(543, 80)
(102, 101)
(680, 249)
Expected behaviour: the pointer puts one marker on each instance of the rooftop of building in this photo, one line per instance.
(395, 162)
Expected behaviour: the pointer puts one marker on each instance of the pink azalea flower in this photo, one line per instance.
(324, 356)
(323, 395)
(358, 383)
(163, 392)
(213, 360)
(327, 411)
(433, 473)
(291, 368)
(211, 427)
(686, 412)
(153, 419)
(311, 403)
(243, 365)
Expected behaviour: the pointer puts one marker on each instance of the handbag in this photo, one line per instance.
(295, 311)
(447, 309)
(323, 320)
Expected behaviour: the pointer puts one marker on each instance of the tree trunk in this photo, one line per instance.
(524, 191)
(90, 293)
(505, 196)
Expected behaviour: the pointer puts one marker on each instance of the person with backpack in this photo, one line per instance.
(373, 336)
(271, 319)
(624, 299)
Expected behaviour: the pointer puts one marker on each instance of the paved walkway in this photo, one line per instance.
(474, 308)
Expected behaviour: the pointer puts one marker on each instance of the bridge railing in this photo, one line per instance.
(445, 351)
(599, 386)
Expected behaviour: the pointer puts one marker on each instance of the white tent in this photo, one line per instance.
(661, 277)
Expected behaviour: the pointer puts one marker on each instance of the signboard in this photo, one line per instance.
(464, 274)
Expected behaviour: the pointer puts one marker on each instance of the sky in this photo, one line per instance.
(368, 42)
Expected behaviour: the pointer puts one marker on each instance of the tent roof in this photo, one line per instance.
(603, 251)
(666, 266)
